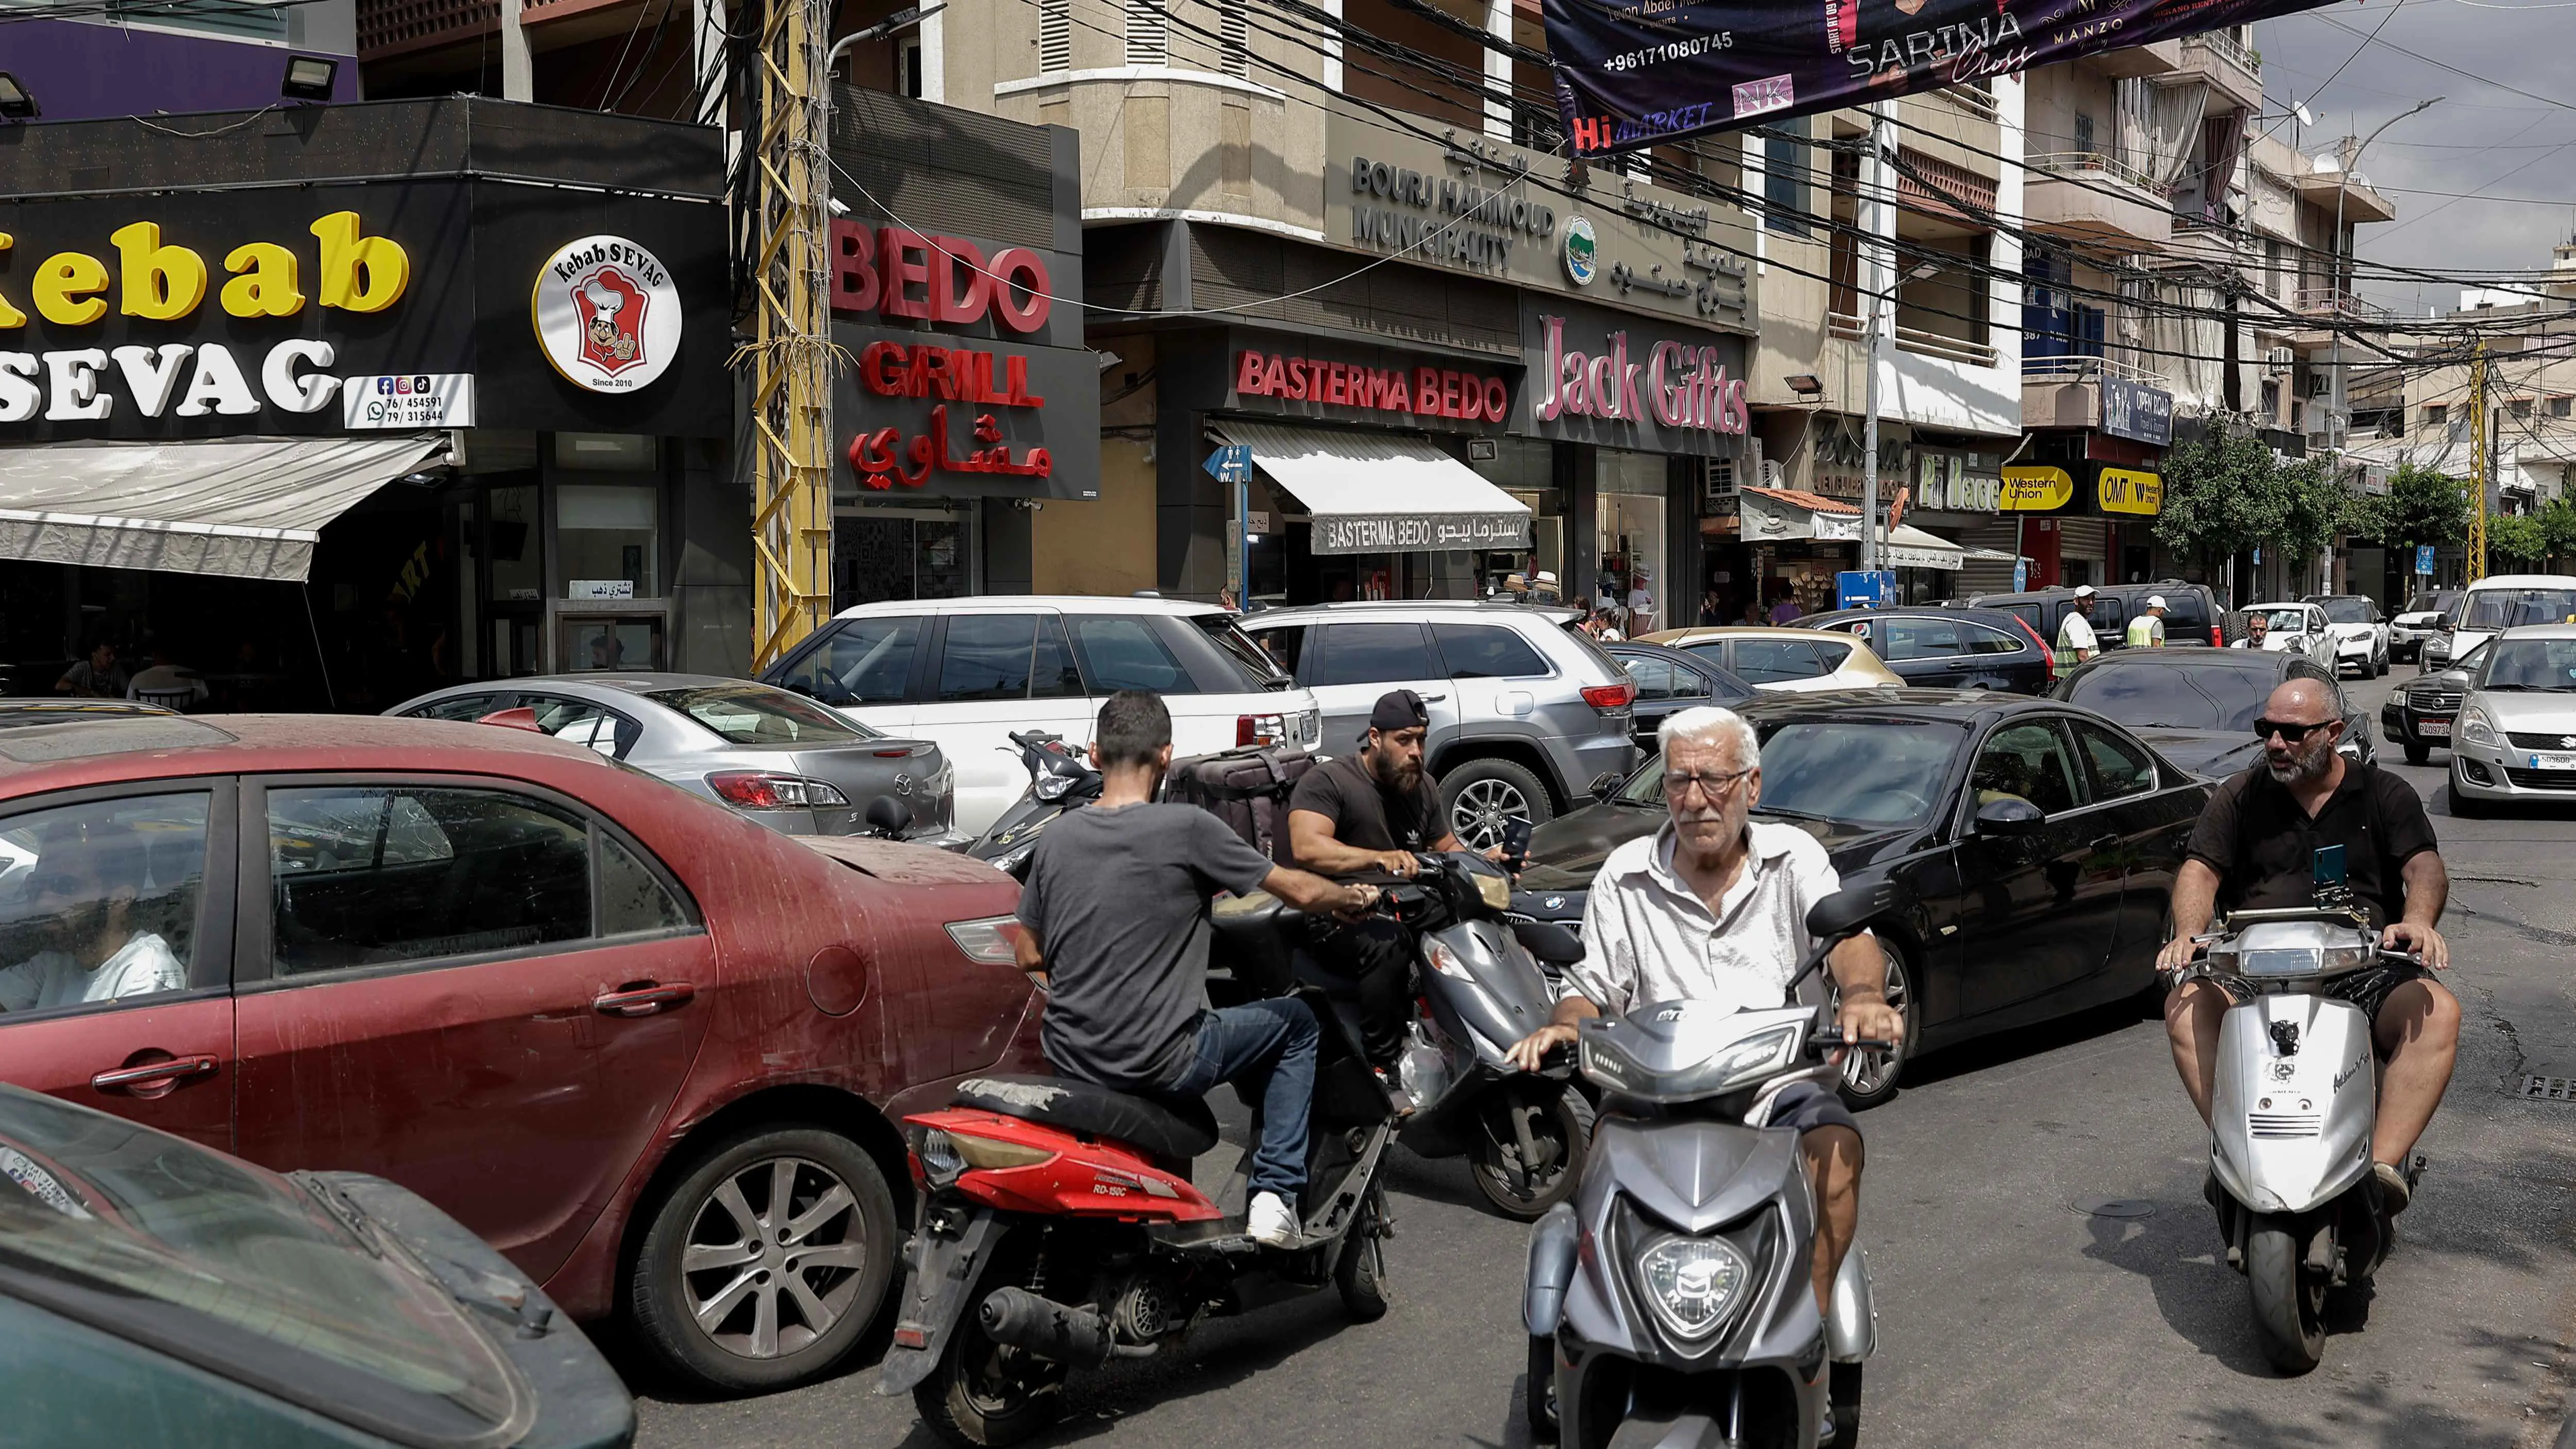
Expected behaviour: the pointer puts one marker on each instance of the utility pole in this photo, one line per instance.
(1873, 181)
(2481, 459)
(2340, 414)
(789, 354)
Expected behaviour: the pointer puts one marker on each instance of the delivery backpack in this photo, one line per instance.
(1246, 788)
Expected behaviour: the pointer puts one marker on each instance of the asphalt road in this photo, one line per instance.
(2009, 1316)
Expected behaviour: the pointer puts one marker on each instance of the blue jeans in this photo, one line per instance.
(1269, 1047)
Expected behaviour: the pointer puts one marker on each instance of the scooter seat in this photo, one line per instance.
(1160, 1126)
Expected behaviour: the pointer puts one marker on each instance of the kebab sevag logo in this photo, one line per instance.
(607, 314)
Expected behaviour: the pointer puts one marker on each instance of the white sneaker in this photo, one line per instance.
(1273, 1223)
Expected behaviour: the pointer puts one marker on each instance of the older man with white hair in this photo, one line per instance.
(1713, 907)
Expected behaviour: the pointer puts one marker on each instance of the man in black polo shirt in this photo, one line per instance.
(1368, 814)
(2252, 850)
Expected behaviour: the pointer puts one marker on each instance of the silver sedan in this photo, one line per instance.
(777, 757)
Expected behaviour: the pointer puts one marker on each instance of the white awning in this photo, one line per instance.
(247, 507)
(1383, 493)
(1908, 547)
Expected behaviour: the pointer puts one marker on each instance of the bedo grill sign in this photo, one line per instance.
(607, 314)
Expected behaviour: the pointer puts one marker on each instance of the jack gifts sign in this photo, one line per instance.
(1634, 73)
(1619, 381)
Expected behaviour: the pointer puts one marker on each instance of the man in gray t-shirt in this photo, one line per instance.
(1115, 926)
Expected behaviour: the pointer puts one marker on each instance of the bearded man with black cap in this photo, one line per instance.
(1368, 815)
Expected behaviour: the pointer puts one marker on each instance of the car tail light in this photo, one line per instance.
(1610, 696)
(1260, 729)
(2217, 637)
(2047, 655)
(992, 940)
(758, 790)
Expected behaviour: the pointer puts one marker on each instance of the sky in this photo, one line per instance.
(2482, 141)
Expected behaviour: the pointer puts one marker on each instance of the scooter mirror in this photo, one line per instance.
(1847, 910)
(889, 815)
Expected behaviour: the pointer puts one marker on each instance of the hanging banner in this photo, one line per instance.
(1634, 73)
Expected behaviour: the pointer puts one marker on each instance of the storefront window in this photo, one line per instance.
(609, 536)
(1630, 510)
(880, 554)
(516, 561)
(1525, 469)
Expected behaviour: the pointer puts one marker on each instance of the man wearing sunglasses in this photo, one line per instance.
(2254, 849)
(1713, 907)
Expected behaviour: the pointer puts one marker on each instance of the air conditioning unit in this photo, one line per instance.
(2321, 383)
(1772, 474)
(2280, 360)
(1719, 480)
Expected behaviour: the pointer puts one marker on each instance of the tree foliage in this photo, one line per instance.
(2558, 527)
(2517, 536)
(2421, 506)
(2226, 493)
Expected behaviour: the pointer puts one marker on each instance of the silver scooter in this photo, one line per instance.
(1672, 1304)
(2292, 1117)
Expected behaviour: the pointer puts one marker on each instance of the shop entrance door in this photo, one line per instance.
(886, 553)
(512, 633)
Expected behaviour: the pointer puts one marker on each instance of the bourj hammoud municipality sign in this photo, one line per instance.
(1468, 203)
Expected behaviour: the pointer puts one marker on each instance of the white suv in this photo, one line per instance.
(966, 673)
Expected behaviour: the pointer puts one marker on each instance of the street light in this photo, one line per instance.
(2343, 250)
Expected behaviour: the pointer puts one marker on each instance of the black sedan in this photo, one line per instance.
(2423, 714)
(2036, 843)
(1670, 681)
(1948, 648)
(2198, 706)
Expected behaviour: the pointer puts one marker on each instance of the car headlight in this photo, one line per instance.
(2476, 728)
(1690, 1284)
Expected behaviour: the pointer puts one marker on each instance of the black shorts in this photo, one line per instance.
(1807, 1106)
(2368, 990)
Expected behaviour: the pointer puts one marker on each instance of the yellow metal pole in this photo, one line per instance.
(2480, 460)
(788, 356)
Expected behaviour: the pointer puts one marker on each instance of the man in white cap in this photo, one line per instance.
(2148, 629)
(2075, 641)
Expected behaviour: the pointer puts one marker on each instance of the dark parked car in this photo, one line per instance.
(1948, 648)
(2036, 841)
(1670, 681)
(2423, 714)
(153, 1291)
(650, 1050)
(2199, 706)
(2193, 615)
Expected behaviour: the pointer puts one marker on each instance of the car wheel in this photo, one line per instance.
(1869, 1078)
(2465, 807)
(1482, 794)
(2418, 754)
(766, 1260)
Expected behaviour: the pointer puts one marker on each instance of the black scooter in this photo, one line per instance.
(1060, 779)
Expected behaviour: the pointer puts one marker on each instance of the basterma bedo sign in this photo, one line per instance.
(1636, 73)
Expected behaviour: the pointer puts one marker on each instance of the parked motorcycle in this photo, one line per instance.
(2292, 1118)
(1523, 1133)
(1672, 1303)
(1060, 1227)
(1060, 779)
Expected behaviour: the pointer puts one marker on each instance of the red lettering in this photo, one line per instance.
(1248, 375)
(878, 362)
(1274, 378)
(854, 268)
(904, 261)
(929, 373)
(951, 260)
(1015, 372)
(1426, 391)
(1498, 400)
(1017, 271)
(1398, 398)
(1301, 380)
(1376, 388)
(1449, 394)
(1332, 381)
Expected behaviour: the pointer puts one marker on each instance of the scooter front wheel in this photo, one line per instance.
(1531, 1134)
(2289, 1300)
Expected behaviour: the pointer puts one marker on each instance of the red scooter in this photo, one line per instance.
(1060, 1228)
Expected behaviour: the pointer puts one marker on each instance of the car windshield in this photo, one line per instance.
(1260, 671)
(1876, 773)
(241, 1272)
(2536, 665)
(2345, 609)
(2159, 695)
(2440, 601)
(2509, 608)
(752, 714)
(2281, 621)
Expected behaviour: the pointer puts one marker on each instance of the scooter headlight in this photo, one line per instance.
(1691, 1284)
(1446, 962)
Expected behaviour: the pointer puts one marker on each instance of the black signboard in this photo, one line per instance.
(939, 415)
(2137, 412)
(1623, 381)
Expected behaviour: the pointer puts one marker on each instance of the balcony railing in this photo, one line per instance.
(2223, 45)
(399, 24)
(2085, 367)
(2336, 302)
(1975, 100)
(1914, 339)
(2083, 164)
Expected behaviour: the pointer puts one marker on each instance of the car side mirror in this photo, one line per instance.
(1849, 909)
(888, 815)
(1606, 788)
(2008, 817)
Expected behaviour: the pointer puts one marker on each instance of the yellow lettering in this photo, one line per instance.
(161, 282)
(266, 286)
(9, 316)
(359, 274)
(66, 287)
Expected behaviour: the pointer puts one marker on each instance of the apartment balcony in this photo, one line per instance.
(2349, 191)
(2087, 196)
(1914, 339)
(2335, 302)
(2218, 61)
(2163, 57)
(2066, 391)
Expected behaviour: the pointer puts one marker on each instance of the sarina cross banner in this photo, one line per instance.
(1633, 73)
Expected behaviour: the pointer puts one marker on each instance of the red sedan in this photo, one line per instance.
(647, 1048)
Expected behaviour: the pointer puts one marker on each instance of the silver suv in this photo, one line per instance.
(1528, 715)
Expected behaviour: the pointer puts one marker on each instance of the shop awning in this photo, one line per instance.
(247, 507)
(1383, 493)
(1908, 547)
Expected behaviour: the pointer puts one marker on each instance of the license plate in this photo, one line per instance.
(2439, 729)
(2552, 762)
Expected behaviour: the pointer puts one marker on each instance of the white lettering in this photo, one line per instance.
(19, 397)
(217, 385)
(151, 372)
(71, 380)
(298, 394)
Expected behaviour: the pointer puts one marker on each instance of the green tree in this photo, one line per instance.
(2422, 506)
(2558, 528)
(2224, 493)
(2518, 536)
